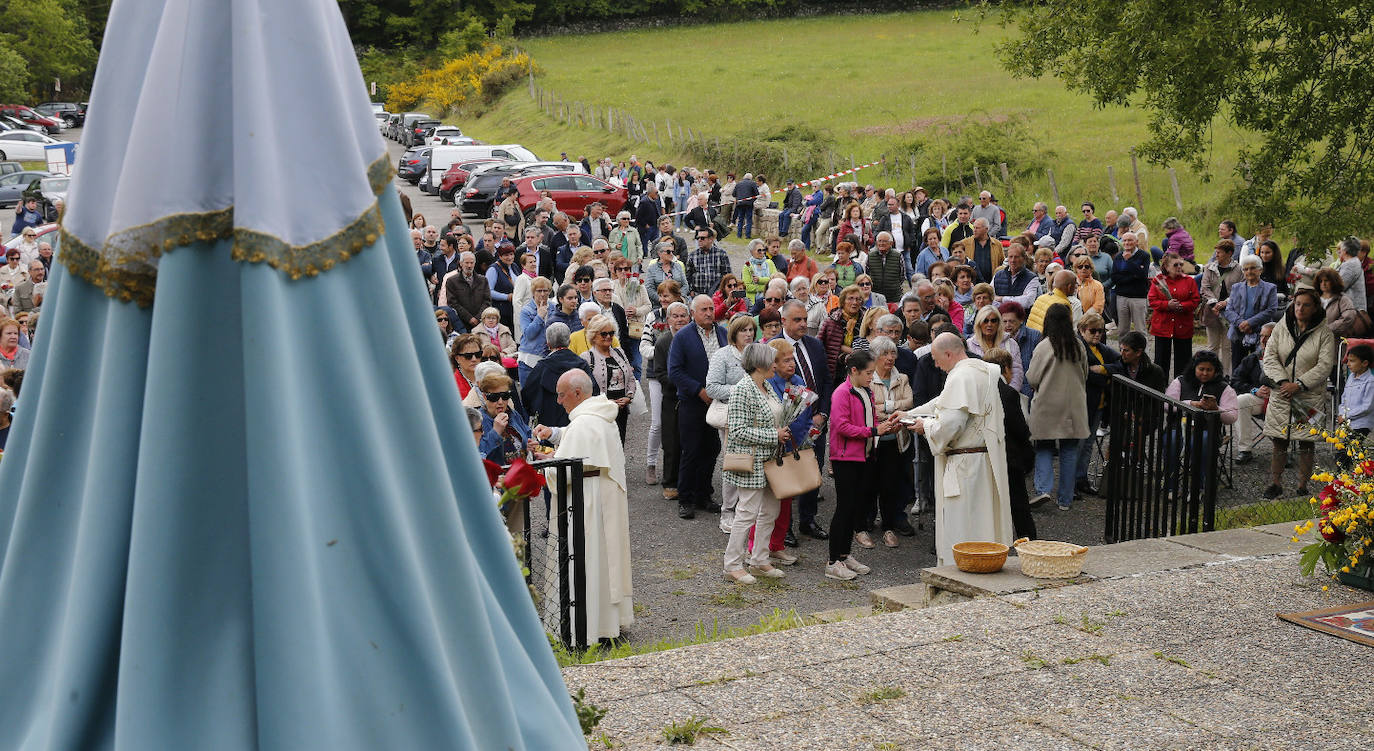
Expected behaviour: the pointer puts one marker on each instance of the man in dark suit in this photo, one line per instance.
(1020, 453)
(688, 358)
(594, 225)
(443, 262)
(927, 385)
(540, 392)
(810, 354)
(646, 217)
(534, 243)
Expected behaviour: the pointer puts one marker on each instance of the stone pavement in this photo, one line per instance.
(1191, 658)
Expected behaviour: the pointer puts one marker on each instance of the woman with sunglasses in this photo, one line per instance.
(610, 368)
(818, 303)
(444, 317)
(464, 354)
(729, 298)
(505, 434)
(1090, 291)
(988, 334)
(1092, 330)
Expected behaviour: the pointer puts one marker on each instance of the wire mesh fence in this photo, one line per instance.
(555, 552)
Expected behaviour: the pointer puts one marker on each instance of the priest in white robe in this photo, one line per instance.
(592, 435)
(964, 427)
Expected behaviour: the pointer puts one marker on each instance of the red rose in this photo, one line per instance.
(493, 471)
(523, 479)
(1336, 534)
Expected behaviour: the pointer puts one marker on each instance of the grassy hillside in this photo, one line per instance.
(909, 85)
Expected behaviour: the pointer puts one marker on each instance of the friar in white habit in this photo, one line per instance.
(964, 427)
(592, 435)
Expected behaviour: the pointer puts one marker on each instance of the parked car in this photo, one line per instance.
(24, 145)
(444, 157)
(457, 176)
(46, 233)
(14, 123)
(437, 135)
(379, 107)
(73, 114)
(8, 167)
(571, 192)
(407, 122)
(54, 188)
(51, 125)
(13, 185)
(393, 124)
(480, 194)
(382, 117)
(415, 132)
(414, 163)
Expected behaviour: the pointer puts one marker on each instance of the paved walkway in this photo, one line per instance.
(1184, 659)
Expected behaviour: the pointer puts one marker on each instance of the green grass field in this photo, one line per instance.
(909, 84)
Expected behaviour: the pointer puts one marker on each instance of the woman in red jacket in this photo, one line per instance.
(1173, 298)
(729, 298)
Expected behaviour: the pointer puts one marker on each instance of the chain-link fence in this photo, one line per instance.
(555, 552)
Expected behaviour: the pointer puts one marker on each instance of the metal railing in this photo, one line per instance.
(1161, 466)
(556, 553)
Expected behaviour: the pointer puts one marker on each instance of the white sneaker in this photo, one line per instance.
(771, 572)
(839, 571)
(855, 566)
(727, 520)
(782, 557)
(739, 576)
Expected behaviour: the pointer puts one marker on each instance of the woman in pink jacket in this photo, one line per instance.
(854, 432)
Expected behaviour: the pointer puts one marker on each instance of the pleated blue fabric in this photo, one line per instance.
(252, 516)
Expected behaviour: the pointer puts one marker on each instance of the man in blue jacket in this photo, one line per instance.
(746, 191)
(688, 358)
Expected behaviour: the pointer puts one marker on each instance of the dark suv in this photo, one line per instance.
(70, 112)
(415, 135)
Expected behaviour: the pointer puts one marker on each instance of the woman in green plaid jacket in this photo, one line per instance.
(755, 428)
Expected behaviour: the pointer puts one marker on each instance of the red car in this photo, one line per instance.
(570, 192)
(458, 175)
(51, 125)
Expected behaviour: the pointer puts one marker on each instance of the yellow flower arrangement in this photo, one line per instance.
(1345, 515)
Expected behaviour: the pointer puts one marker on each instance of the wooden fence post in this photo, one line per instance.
(668, 126)
(531, 83)
(977, 177)
(913, 170)
(1173, 181)
(1139, 195)
(1006, 176)
(1054, 187)
(1111, 181)
(784, 159)
(944, 171)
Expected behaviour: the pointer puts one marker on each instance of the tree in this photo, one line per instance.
(51, 37)
(14, 75)
(1298, 77)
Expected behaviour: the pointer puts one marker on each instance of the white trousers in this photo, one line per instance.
(1218, 342)
(1247, 430)
(729, 494)
(757, 508)
(655, 391)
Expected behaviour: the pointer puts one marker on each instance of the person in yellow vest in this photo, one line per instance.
(1061, 293)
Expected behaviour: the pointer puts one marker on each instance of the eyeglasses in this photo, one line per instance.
(469, 355)
(732, 286)
(1087, 211)
(599, 252)
(606, 334)
(703, 237)
(1097, 331)
(496, 397)
(441, 319)
(865, 284)
(772, 299)
(823, 281)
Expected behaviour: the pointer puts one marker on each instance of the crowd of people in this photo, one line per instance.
(866, 313)
(23, 285)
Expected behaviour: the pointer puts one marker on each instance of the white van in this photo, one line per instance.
(443, 157)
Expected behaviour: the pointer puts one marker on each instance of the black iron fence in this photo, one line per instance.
(556, 553)
(1162, 465)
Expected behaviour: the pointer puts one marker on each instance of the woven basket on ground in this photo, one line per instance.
(1046, 559)
(980, 557)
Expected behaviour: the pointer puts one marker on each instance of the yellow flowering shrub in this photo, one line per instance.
(472, 78)
(1345, 508)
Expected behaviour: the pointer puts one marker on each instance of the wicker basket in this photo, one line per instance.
(1045, 559)
(980, 557)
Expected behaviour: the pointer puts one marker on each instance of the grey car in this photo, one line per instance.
(13, 185)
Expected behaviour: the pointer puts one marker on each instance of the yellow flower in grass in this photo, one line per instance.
(1313, 431)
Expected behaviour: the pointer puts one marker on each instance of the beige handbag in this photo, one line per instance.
(739, 463)
(792, 473)
(718, 415)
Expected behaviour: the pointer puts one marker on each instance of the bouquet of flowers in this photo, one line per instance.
(795, 399)
(1345, 516)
